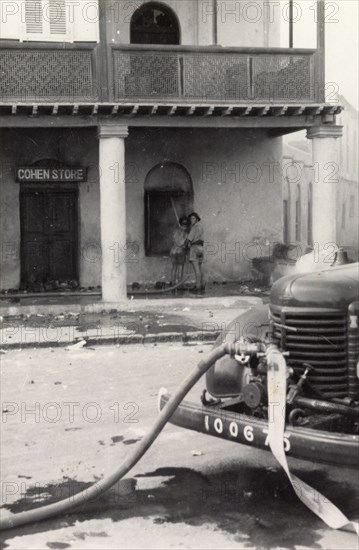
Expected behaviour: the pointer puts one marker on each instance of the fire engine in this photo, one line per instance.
(312, 319)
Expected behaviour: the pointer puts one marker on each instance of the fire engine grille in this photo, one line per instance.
(317, 338)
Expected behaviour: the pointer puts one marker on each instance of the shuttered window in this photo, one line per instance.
(57, 17)
(33, 17)
(49, 20)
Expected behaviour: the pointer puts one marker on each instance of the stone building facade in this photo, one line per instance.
(301, 174)
(117, 117)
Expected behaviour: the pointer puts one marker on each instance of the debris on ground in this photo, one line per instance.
(197, 453)
(244, 289)
(77, 346)
(263, 523)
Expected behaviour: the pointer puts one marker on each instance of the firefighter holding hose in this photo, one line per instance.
(179, 250)
(195, 244)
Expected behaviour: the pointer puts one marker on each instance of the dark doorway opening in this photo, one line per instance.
(49, 240)
(168, 196)
(154, 23)
(161, 221)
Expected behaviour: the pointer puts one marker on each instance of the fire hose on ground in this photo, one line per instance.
(161, 290)
(276, 395)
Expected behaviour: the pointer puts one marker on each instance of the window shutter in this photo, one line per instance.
(57, 17)
(33, 17)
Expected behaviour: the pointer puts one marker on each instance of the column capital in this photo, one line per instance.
(325, 132)
(112, 131)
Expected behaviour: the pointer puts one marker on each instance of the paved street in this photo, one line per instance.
(70, 417)
(136, 321)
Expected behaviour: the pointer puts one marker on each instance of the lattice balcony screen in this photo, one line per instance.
(146, 75)
(213, 76)
(216, 76)
(46, 75)
(282, 77)
(67, 75)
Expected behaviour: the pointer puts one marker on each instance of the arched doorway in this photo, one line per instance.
(154, 23)
(168, 196)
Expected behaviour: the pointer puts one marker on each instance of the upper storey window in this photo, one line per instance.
(50, 20)
(154, 24)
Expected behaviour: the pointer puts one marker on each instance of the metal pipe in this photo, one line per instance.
(326, 406)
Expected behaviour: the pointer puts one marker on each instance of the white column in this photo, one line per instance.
(325, 182)
(113, 212)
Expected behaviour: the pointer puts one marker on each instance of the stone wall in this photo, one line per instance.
(236, 182)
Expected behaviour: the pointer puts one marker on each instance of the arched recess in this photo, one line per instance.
(154, 23)
(168, 196)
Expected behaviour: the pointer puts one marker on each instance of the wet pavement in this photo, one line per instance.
(59, 323)
(188, 491)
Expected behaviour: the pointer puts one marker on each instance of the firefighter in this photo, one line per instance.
(195, 244)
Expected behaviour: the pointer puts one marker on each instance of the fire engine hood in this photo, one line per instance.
(333, 288)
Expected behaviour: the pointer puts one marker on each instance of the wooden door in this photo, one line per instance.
(48, 235)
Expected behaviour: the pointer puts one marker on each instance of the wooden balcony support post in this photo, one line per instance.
(215, 22)
(291, 25)
(103, 60)
(320, 54)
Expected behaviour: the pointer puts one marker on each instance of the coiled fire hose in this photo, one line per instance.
(103, 485)
(325, 509)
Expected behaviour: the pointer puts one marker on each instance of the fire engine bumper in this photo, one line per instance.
(303, 443)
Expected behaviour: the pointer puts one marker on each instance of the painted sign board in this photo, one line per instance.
(30, 174)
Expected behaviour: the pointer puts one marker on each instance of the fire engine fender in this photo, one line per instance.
(329, 513)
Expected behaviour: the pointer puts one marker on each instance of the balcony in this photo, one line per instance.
(157, 74)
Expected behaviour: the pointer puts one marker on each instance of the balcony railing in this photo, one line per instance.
(215, 75)
(48, 74)
(160, 74)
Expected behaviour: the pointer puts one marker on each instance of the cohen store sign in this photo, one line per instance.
(37, 174)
